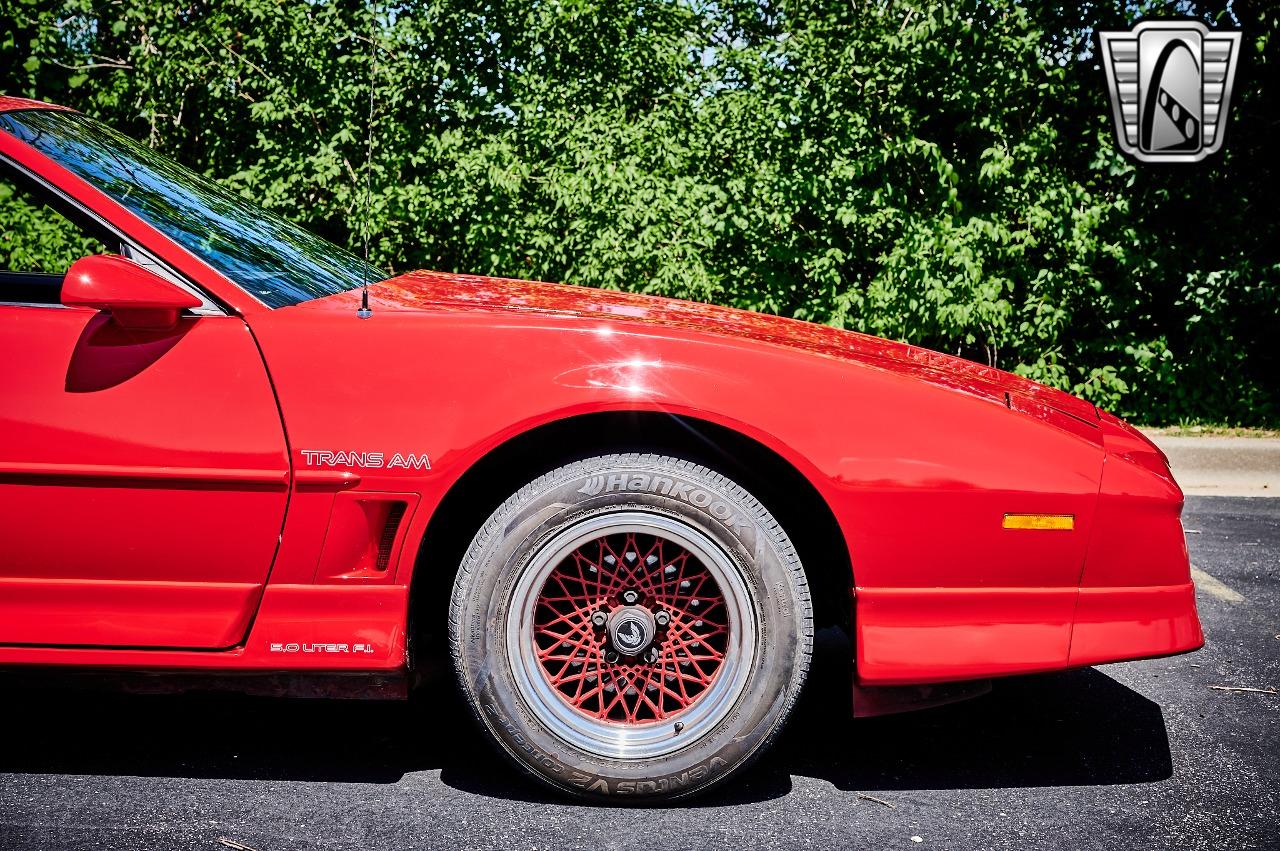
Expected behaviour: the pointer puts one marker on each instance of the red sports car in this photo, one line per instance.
(623, 516)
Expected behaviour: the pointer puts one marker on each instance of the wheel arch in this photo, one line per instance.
(784, 490)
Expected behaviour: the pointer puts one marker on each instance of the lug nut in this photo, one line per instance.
(661, 618)
(651, 655)
(630, 597)
(599, 619)
(611, 656)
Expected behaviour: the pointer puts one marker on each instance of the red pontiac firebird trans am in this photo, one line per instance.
(622, 516)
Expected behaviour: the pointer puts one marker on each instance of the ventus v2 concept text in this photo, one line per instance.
(623, 517)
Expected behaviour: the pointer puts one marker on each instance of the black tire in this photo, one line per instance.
(591, 491)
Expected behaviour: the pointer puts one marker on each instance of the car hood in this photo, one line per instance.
(437, 292)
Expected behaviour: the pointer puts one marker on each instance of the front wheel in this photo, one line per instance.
(631, 625)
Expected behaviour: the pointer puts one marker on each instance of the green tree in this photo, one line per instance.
(945, 175)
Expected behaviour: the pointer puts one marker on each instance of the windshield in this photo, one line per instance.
(277, 262)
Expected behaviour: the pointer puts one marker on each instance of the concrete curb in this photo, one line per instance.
(1224, 466)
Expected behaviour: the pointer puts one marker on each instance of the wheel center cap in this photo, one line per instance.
(631, 630)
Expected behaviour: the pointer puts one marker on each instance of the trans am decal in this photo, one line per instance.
(365, 460)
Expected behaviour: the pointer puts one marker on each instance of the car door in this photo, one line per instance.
(143, 473)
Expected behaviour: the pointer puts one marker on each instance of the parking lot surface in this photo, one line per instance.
(1154, 754)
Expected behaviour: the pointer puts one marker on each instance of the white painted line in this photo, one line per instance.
(1214, 588)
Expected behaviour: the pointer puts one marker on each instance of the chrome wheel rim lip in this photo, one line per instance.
(648, 739)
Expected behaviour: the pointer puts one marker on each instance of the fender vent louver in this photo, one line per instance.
(395, 513)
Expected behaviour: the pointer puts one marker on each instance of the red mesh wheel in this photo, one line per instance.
(613, 639)
(646, 580)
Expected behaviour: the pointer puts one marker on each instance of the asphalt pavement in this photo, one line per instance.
(1140, 755)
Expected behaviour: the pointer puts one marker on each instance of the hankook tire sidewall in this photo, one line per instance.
(498, 563)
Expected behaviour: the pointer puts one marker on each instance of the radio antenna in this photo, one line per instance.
(365, 311)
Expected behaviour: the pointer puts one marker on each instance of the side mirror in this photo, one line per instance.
(135, 297)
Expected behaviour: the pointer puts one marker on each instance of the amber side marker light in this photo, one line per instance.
(1040, 521)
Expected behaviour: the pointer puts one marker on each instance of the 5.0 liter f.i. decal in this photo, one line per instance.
(366, 460)
(315, 647)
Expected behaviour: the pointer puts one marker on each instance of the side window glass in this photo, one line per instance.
(37, 246)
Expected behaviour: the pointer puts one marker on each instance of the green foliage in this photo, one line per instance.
(34, 238)
(946, 176)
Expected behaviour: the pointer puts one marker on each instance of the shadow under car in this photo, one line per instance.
(1072, 728)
